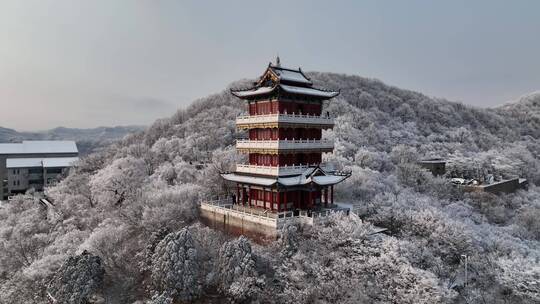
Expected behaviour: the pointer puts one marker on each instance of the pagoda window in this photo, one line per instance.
(317, 109)
(263, 107)
(290, 133)
(313, 158)
(252, 193)
(301, 158)
(293, 107)
(285, 134)
(283, 159)
(302, 108)
(253, 134)
(275, 107)
(317, 133)
(256, 194)
(275, 134)
(288, 159)
(252, 108)
(306, 108)
(275, 160)
(288, 107)
(263, 134)
(281, 107)
(310, 134)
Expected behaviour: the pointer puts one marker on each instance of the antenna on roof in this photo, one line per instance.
(278, 62)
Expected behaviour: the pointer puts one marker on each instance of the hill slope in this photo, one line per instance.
(133, 206)
(526, 112)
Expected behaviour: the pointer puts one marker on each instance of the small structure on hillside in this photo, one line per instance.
(488, 183)
(284, 177)
(437, 166)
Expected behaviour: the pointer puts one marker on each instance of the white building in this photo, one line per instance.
(34, 164)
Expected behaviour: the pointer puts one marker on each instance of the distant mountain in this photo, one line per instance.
(7, 134)
(87, 139)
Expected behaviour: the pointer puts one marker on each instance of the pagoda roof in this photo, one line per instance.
(248, 179)
(295, 90)
(281, 79)
(314, 175)
(288, 75)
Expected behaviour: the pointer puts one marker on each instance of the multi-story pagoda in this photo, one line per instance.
(284, 123)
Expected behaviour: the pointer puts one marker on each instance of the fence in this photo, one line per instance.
(226, 206)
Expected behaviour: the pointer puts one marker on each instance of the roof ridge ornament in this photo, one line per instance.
(278, 61)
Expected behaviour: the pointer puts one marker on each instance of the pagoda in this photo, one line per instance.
(284, 171)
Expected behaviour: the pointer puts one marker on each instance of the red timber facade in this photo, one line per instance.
(284, 144)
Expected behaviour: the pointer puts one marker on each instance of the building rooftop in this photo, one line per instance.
(310, 175)
(290, 75)
(59, 162)
(277, 79)
(12, 163)
(285, 88)
(39, 147)
(433, 161)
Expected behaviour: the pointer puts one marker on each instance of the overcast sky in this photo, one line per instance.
(113, 62)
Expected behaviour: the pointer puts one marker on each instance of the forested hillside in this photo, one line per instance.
(125, 225)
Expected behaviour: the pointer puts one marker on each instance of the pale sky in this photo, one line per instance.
(113, 62)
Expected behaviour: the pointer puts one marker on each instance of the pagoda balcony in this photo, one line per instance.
(294, 145)
(284, 120)
(274, 170)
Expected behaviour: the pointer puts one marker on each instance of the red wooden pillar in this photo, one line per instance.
(264, 198)
(237, 194)
(271, 200)
(332, 194)
(326, 197)
(310, 199)
(284, 201)
(250, 196)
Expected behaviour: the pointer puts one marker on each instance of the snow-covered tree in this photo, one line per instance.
(176, 267)
(115, 200)
(119, 182)
(78, 281)
(236, 270)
